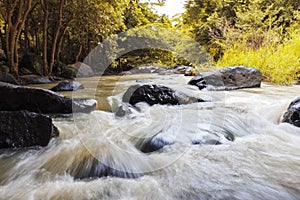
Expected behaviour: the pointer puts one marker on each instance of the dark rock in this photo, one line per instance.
(35, 79)
(25, 129)
(68, 86)
(292, 115)
(154, 144)
(83, 70)
(156, 94)
(8, 78)
(228, 79)
(33, 63)
(41, 101)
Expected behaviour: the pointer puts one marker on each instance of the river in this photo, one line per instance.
(262, 162)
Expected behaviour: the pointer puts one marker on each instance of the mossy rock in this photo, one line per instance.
(68, 71)
(33, 63)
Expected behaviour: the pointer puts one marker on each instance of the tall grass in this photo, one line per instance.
(279, 63)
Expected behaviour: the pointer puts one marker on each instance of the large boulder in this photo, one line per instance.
(156, 94)
(228, 79)
(41, 101)
(35, 79)
(292, 115)
(8, 78)
(67, 86)
(83, 70)
(25, 129)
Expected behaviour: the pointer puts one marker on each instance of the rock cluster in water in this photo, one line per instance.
(23, 122)
(231, 78)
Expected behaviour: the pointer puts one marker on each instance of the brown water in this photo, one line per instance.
(262, 163)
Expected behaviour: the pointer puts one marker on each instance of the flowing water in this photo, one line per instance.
(262, 162)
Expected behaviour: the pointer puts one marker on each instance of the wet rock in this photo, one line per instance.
(228, 79)
(154, 144)
(35, 79)
(8, 78)
(292, 115)
(147, 70)
(186, 70)
(41, 101)
(25, 129)
(67, 86)
(156, 94)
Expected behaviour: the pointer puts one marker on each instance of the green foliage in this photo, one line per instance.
(278, 64)
(158, 43)
(261, 33)
(218, 24)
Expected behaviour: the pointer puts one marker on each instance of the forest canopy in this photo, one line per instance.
(263, 34)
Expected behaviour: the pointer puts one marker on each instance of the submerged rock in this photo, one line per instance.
(41, 101)
(67, 86)
(25, 129)
(124, 109)
(228, 79)
(156, 94)
(155, 144)
(8, 78)
(292, 115)
(89, 168)
(35, 79)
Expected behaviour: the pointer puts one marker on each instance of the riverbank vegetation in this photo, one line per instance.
(263, 34)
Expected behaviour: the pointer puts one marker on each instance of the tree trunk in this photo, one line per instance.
(55, 38)
(45, 37)
(61, 40)
(78, 54)
(15, 25)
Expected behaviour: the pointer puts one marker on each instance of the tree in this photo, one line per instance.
(14, 13)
